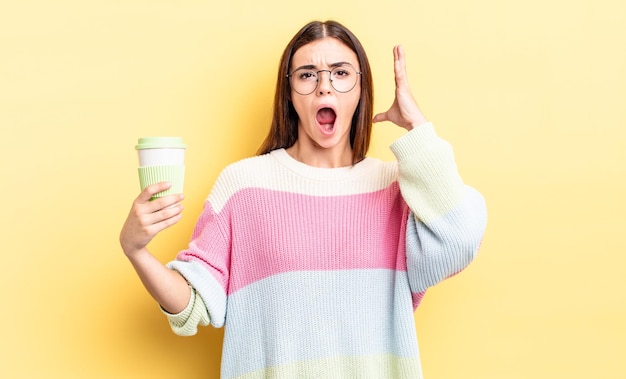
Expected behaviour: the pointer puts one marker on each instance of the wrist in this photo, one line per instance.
(135, 254)
(419, 121)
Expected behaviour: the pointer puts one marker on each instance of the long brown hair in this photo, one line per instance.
(284, 129)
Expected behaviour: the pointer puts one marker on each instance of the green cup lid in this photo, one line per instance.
(160, 143)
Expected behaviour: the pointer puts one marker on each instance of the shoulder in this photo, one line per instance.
(379, 170)
(247, 168)
(244, 173)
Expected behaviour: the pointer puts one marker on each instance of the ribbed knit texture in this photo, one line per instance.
(315, 272)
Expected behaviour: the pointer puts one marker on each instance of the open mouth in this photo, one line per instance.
(326, 119)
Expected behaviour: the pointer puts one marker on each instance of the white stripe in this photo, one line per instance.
(277, 171)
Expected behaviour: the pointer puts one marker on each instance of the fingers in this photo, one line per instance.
(148, 217)
(399, 66)
(403, 102)
(146, 197)
(164, 218)
(152, 190)
(161, 209)
(164, 202)
(398, 53)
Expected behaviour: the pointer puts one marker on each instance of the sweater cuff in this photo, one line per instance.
(416, 139)
(186, 322)
(428, 176)
(182, 317)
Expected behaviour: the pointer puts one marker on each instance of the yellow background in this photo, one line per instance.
(530, 93)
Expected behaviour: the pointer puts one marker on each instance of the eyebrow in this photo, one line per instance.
(333, 65)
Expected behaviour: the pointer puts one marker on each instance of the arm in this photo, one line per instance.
(428, 176)
(448, 218)
(145, 220)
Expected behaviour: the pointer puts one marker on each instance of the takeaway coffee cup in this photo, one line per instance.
(161, 159)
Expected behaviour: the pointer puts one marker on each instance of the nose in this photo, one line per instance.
(323, 86)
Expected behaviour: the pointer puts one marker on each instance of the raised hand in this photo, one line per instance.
(404, 111)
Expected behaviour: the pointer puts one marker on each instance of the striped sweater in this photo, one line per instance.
(316, 272)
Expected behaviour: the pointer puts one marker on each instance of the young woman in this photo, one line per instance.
(312, 255)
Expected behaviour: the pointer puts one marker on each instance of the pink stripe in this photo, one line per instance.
(417, 299)
(275, 232)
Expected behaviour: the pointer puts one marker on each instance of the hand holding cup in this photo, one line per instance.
(148, 216)
(158, 206)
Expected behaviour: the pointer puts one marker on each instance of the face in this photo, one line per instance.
(325, 115)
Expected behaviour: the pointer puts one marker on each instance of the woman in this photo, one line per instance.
(313, 256)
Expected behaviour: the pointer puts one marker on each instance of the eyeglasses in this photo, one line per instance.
(305, 80)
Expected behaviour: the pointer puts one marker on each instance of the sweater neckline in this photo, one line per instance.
(319, 173)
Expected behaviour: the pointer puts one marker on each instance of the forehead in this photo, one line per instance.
(323, 53)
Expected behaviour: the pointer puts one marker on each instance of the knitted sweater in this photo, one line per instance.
(316, 272)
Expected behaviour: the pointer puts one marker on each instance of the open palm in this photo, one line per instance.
(404, 111)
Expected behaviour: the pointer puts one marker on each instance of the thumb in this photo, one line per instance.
(380, 117)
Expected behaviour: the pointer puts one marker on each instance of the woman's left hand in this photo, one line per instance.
(404, 111)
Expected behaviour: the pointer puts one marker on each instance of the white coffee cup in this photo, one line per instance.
(161, 159)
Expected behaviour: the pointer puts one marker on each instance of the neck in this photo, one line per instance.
(316, 156)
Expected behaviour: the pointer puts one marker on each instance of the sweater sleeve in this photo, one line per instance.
(448, 218)
(205, 264)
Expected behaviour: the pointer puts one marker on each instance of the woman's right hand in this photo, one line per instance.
(147, 218)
